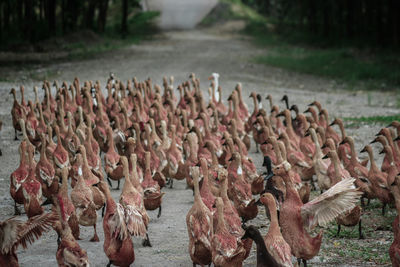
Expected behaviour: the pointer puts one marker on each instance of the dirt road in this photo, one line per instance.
(178, 54)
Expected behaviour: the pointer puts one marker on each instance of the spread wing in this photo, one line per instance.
(8, 234)
(117, 224)
(338, 199)
(14, 232)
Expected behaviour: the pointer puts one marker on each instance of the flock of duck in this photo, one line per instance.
(150, 136)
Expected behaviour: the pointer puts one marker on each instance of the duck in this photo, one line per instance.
(69, 208)
(18, 177)
(320, 165)
(276, 245)
(206, 194)
(226, 251)
(240, 191)
(231, 215)
(264, 258)
(378, 180)
(18, 112)
(351, 217)
(69, 253)
(118, 245)
(45, 172)
(32, 189)
(151, 189)
(15, 233)
(199, 222)
(296, 218)
(394, 250)
(113, 167)
(82, 198)
(60, 154)
(132, 202)
(294, 139)
(385, 163)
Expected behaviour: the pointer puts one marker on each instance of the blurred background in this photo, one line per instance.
(353, 40)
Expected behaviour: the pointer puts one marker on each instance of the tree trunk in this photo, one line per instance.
(29, 20)
(90, 14)
(101, 22)
(51, 16)
(350, 19)
(124, 23)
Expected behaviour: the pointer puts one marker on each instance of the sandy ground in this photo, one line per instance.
(178, 54)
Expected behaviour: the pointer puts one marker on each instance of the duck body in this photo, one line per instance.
(199, 221)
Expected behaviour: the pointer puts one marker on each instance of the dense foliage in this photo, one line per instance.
(34, 20)
(370, 21)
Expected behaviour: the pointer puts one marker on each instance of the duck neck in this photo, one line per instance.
(14, 96)
(221, 227)
(392, 144)
(214, 158)
(353, 152)
(277, 151)
(193, 152)
(197, 196)
(22, 95)
(173, 139)
(318, 150)
(220, 94)
(255, 104)
(274, 225)
(336, 166)
(374, 167)
(224, 190)
(43, 149)
(342, 131)
(22, 154)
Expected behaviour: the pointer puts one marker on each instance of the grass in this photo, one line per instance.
(353, 122)
(302, 52)
(347, 64)
(348, 248)
(140, 27)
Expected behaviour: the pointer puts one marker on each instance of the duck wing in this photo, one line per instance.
(340, 198)
(15, 232)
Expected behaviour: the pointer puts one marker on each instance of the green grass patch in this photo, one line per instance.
(373, 119)
(140, 27)
(348, 64)
(300, 51)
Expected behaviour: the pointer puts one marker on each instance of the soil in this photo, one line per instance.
(179, 53)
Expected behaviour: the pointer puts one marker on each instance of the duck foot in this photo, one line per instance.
(95, 238)
(338, 231)
(146, 241)
(159, 212)
(360, 234)
(109, 263)
(362, 202)
(15, 135)
(304, 263)
(109, 182)
(48, 201)
(102, 210)
(16, 210)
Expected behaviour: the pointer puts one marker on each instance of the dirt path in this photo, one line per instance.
(178, 54)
